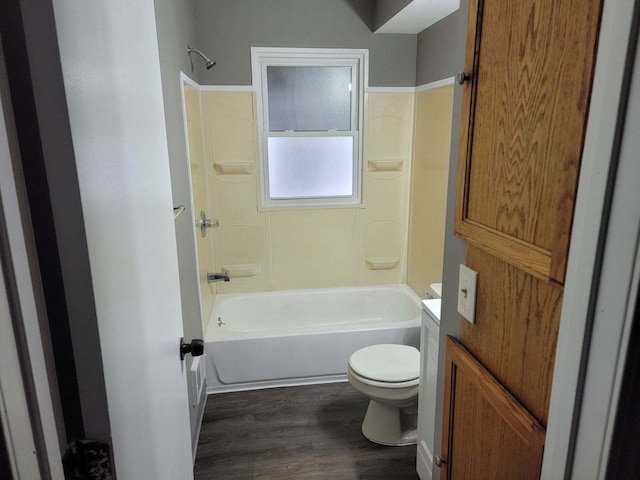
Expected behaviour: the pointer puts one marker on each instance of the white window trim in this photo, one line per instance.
(357, 58)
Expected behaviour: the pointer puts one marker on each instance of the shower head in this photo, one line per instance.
(208, 62)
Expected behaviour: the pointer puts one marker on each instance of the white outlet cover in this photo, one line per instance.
(467, 288)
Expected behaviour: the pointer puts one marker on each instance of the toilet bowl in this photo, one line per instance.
(389, 376)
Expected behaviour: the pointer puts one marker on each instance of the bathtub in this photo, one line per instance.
(297, 337)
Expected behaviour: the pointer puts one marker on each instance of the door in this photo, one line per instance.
(29, 437)
(527, 82)
(110, 63)
(17, 439)
(526, 89)
(490, 435)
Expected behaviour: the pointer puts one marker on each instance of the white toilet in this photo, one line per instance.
(389, 375)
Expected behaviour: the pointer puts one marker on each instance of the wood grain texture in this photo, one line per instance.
(524, 256)
(528, 100)
(310, 432)
(467, 113)
(490, 434)
(516, 329)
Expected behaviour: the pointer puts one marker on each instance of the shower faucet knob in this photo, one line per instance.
(195, 348)
(205, 223)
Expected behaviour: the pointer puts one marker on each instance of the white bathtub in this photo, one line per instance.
(295, 337)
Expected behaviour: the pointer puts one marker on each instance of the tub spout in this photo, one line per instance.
(217, 277)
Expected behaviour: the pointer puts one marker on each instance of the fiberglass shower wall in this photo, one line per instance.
(308, 247)
(432, 141)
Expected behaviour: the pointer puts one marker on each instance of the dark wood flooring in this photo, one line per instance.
(309, 432)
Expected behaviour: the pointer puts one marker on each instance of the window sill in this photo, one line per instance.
(314, 206)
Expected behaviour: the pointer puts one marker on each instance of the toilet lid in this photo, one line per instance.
(387, 363)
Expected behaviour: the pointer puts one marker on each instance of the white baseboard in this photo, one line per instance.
(424, 462)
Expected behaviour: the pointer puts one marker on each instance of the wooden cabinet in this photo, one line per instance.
(526, 91)
(490, 435)
(529, 67)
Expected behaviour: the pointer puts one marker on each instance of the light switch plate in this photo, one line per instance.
(467, 287)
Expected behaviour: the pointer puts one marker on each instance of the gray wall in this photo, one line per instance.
(175, 23)
(386, 9)
(228, 29)
(365, 9)
(454, 248)
(46, 148)
(436, 58)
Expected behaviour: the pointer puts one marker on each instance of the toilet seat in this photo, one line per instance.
(387, 365)
(378, 383)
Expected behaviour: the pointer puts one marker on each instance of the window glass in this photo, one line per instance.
(309, 98)
(302, 167)
(310, 111)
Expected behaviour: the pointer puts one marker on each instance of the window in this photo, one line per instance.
(309, 120)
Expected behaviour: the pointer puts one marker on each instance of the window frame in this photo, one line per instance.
(358, 61)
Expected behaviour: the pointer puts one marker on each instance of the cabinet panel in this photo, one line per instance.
(516, 329)
(487, 433)
(429, 337)
(524, 115)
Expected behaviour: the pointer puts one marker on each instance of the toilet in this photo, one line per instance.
(389, 376)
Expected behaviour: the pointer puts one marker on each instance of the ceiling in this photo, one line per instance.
(418, 15)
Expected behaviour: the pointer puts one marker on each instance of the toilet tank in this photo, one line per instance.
(435, 291)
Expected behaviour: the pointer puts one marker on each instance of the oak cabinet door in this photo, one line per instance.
(486, 434)
(529, 67)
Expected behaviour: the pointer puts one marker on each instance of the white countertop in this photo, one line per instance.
(432, 307)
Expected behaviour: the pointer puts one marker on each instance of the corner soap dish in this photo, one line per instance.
(233, 168)
(242, 270)
(382, 263)
(385, 165)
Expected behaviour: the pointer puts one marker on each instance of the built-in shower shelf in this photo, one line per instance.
(242, 270)
(385, 164)
(233, 168)
(382, 263)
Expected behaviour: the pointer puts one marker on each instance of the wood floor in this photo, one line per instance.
(310, 432)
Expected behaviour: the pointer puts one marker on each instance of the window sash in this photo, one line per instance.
(358, 61)
(352, 199)
(355, 88)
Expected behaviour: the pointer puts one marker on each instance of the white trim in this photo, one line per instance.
(616, 299)
(390, 90)
(197, 425)
(329, 53)
(226, 88)
(15, 420)
(295, 382)
(251, 88)
(184, 78)
(358, 61)
(424, 461)
(419, 88)
(19, 423)
(436, 84)
(582, 274)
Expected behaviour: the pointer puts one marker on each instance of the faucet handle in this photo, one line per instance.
(205, 223)
(217, 277)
